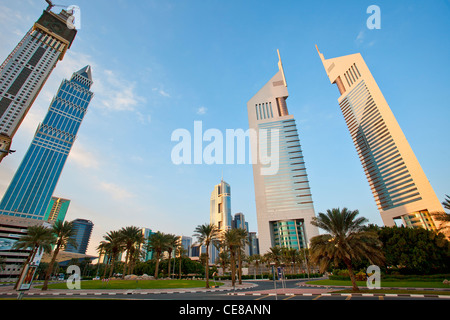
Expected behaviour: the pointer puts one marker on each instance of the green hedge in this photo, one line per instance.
(434, 277)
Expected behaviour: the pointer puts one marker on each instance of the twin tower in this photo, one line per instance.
(283, 200)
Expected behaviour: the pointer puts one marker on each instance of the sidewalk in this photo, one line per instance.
(8, 290)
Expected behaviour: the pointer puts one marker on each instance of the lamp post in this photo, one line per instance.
(272, 264)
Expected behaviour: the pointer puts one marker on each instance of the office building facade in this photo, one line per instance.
(284, 204)
(220, 206)
(57, 209)
(26, 69)
(399, 186)
(82, 235)
(32, 186)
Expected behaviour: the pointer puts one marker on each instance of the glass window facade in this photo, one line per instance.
(31, 189)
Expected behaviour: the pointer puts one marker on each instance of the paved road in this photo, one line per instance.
(250, 290)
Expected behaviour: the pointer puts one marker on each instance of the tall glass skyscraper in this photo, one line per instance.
(82, 235)
(284, 203)
(398, 183)
(27, 68)
(220, 206)
(32, 186)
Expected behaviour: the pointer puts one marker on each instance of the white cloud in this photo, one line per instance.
(81, 157)
(162, 92)
(202, 110)
(360, 37)
(115, 191)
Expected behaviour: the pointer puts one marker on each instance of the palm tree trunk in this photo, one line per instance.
(168, 265)
(352, 275)
(111, 268)
(50, 267)
(239, 266)
(207, 267)
(180, 269)
(157, 265)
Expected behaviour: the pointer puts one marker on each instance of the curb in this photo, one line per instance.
(345, 295)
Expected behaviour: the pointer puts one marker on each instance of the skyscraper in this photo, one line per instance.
(82, 235)
(220, 213)
(32, 186)
(398, 183)
(27, 68)
(57, 209)
(220, 206)
(284, 204)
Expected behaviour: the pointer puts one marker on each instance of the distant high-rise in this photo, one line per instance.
(284, 205)
(239, 221)
(57, 209)
(220, 206)
(31, 188)
(398, 183)
(27, 68)
(82, 235)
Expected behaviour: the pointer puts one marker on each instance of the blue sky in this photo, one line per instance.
(161, 65)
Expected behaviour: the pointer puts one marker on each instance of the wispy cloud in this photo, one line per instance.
(162, 92)
(83, 158)
(202, 110)
(115, 191)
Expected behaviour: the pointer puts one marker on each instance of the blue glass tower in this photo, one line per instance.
(32, 186)
(82, 235)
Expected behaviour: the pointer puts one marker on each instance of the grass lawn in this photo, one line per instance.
(385, 283)
(133, 284)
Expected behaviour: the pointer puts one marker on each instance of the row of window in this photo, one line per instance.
(383, 164)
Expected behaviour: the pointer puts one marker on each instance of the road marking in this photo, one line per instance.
(348, 297)
(380, 298)
(263, 297)
(289, 297)
(318, 297)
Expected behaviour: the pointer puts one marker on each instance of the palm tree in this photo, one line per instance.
(64, 233)
(275, 255)
(131, 236)
(101, 249)
(206, 234)
(113, 246)
(39, 239)
(255, 259)
(346, 241)
(172, 241)
(443, 217)
(232, 241)
(158, 243)
(243, 236)
(181, 251)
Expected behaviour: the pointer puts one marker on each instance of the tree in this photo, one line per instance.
(417, 251)
(172, 241)
(205, 234)
(158, 243)
(39, 239)
(243, 237)
(255, 259)
(181, 251)
(113, 246)
(64, 233)
(443, 217)
(346, 241)
(131, 237)
(232, 241)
